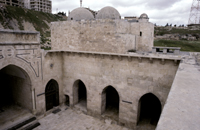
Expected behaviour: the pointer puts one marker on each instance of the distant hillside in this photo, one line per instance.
(17, 18)
(186, 38)
(175, 30)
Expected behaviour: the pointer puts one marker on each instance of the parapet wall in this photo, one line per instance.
(19, 37)
(112, 36)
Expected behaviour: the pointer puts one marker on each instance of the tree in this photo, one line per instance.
(167, 25)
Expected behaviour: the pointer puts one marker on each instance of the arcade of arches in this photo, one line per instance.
(15, 90)
(149, 108)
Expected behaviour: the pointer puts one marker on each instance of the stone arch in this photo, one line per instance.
(80, 94)
(18, 86)
(21, 64)
(52, 94)
(110, 102)
(159, 96)
(149, 109)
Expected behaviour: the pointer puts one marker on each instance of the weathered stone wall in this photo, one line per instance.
(147, 38)
(53, 69)
(182, 108)
(131, 77)
(10, 36)
(113, 36)
(24, 53)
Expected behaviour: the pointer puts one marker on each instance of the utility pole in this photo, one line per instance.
(194, 13)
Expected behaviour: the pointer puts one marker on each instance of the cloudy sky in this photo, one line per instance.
(159, 11)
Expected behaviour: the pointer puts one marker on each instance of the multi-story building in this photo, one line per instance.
(37, 5)
(13, 2)
(40, 5)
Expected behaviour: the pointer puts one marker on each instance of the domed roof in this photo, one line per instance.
(108, 13)
(143, 16)
(80, 13)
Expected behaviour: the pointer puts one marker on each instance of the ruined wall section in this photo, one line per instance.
(132, 78)
(112, 36)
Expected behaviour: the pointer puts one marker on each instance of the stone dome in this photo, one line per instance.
(108, 13)
(143, 16)
(80, 13)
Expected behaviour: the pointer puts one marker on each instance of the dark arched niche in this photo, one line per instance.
(52, 94)
(15, 88)
(110, 102)
(149, 109)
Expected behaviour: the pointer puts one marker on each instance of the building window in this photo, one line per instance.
(140, 33)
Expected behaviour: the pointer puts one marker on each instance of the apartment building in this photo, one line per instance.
(13, 2)
(40, 5)
(37, 5)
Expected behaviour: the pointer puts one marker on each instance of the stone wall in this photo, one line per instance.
(113, 36)
(53, 69)
(23, 51)
(10, 36)
(131, 76)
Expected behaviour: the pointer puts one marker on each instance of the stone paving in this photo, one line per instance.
(12, 115)
(75, 120)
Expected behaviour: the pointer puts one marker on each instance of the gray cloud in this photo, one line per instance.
(159, 11)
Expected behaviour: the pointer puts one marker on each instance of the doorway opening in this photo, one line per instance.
(52, 94)
(80, 95)
(149, 109)
(110, 103)
(15, 94)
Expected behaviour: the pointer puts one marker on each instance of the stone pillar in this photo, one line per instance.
(33, 101)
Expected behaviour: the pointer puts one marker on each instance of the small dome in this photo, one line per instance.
(80, 13)
(108, 13)
(143, 16)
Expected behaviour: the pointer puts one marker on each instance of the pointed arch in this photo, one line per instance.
(80, 93)
(149, 108)
(52, 94)
(110, 101)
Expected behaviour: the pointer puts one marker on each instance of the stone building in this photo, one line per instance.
(102, 66)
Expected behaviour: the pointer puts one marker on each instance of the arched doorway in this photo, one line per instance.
(80, 95)
(149, 109)
(52, 94)
(110, 102)
(15, 92)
